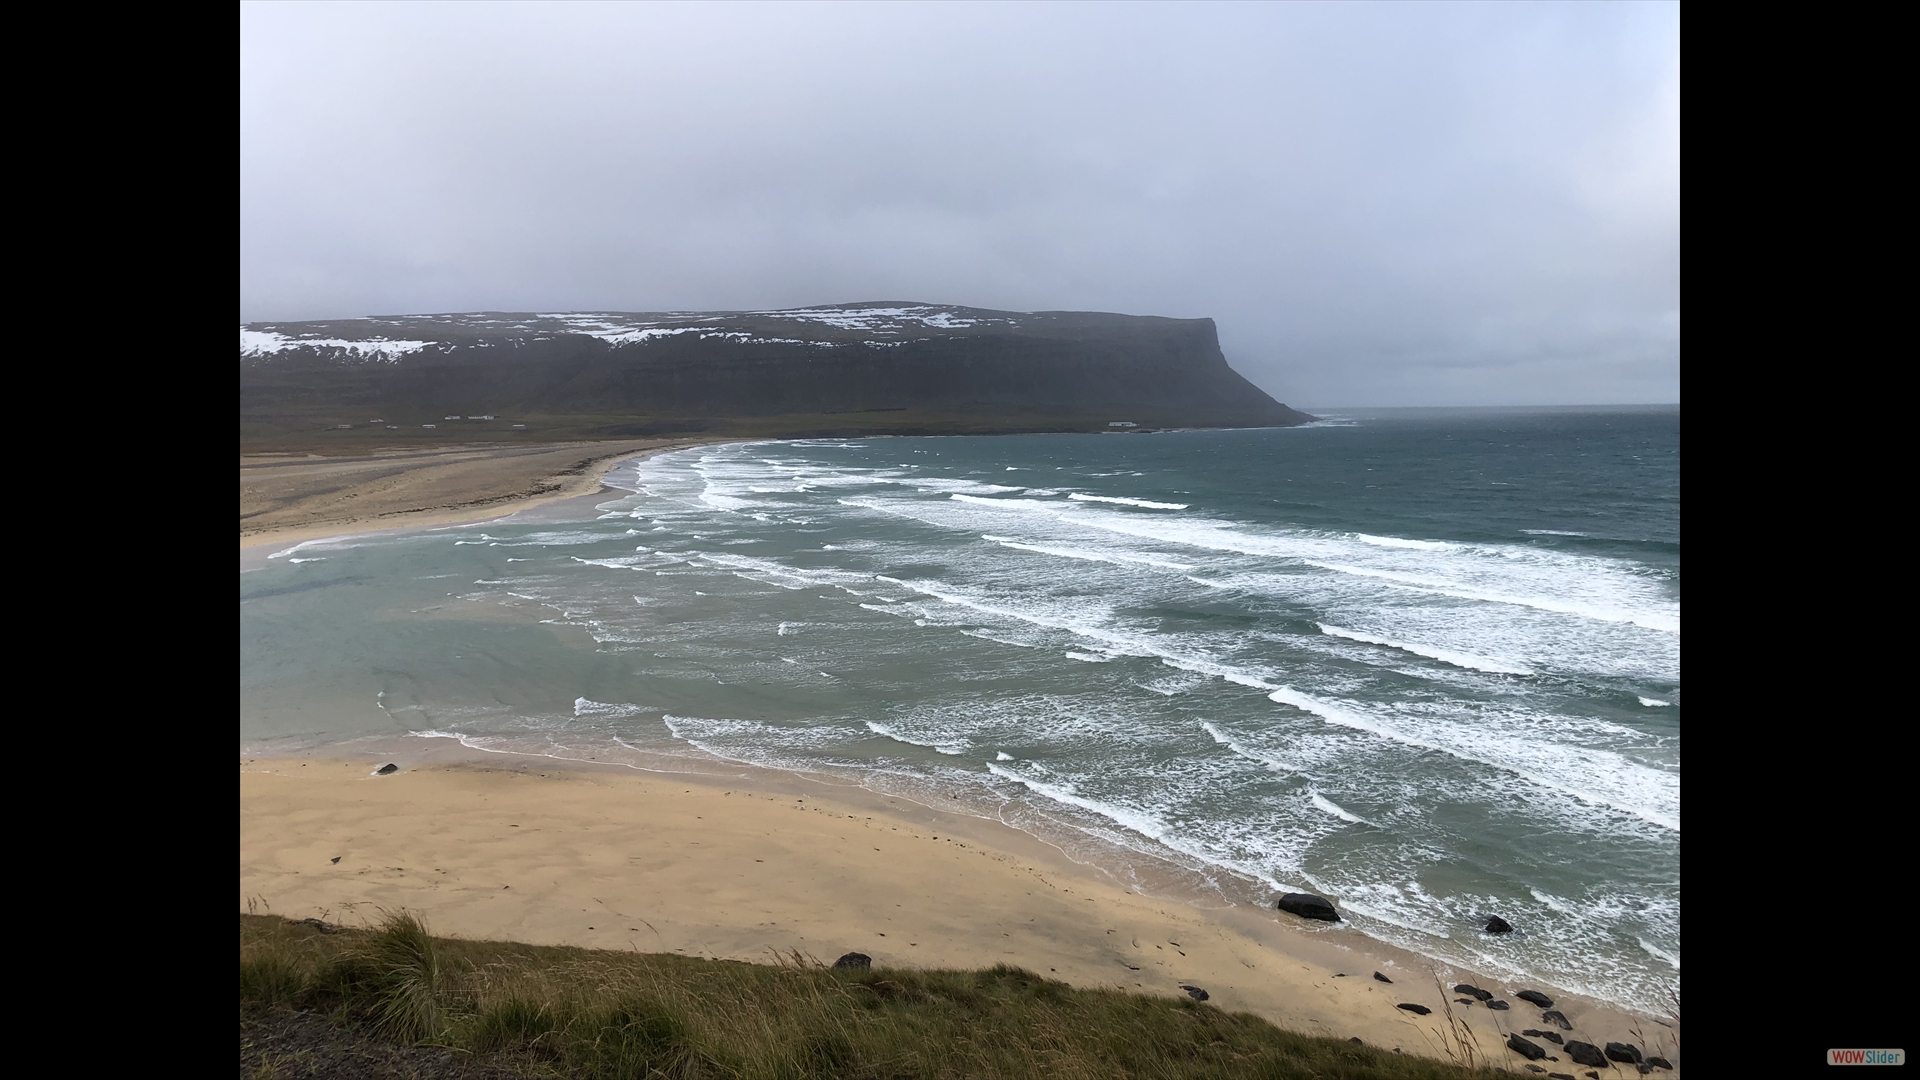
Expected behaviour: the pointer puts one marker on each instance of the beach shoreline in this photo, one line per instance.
(481, 494)
(706, 857)
(287, 499)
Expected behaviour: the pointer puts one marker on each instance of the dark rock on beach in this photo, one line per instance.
(1532, 1051)
(1308, 906)
(1195, 992)
(1560, 1076)
(1464, 1001)
(1534, 1068)
(1473, 991)
(1553, 1016)
(1536, 997)
(1382, 978)
(387, 769)
(1417, 1010)
(858, 960)
(1498, 925)
(1660, 1063)
(1625, 1052)
(1585, 1053)
(1499, 1005)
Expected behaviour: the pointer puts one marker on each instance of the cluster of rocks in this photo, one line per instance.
(1521, 1042)
(1309, 906)
(1582, 1053)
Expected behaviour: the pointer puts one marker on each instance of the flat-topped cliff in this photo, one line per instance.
(876, 367)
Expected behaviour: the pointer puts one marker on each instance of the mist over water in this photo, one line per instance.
(1422, 662)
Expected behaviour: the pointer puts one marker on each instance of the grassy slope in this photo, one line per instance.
(501, 1009)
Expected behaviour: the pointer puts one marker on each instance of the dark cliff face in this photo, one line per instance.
(857, 358)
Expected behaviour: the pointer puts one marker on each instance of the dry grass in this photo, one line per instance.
(629, 1015)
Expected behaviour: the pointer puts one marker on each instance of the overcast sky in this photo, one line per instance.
(1378, 203)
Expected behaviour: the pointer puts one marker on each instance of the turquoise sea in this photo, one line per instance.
(1425, 663)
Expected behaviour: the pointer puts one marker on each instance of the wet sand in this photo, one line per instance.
(288, 498)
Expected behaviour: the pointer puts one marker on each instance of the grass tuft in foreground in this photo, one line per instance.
(531, 1010)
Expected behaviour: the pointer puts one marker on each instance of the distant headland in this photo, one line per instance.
(884, 367)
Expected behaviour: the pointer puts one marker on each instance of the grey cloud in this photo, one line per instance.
(1379, 204)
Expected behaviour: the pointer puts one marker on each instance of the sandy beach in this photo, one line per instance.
(739, 863)
(286, 498)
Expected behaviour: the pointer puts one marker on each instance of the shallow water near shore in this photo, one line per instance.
(1422, 662)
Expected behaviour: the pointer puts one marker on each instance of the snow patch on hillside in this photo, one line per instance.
(266, 342)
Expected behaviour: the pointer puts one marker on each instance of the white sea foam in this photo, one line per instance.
(1553, 902)
(1551, 532)
(1078, 497)
(1654, 703)
(1088, 657)
(603, 710)
(1007, 504)
(1144, 824)
(1271, 761)
(949, 747)
(1611, 780)
(1657, 951)
(1583, 586)
(1326, 805)
(328, 542)
(1427, 583)
(1401, 542)
(1089, 555)
(1447, 656)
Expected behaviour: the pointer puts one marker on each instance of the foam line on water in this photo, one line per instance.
(468, 741)
(1445, 656)
(1271, 761)
(1554, 902)
(1665, 623)
(330, 541)
(1402, 542)
(1135, 821)
(584, 708)
(1008, 504)
(1345, 717)
(951, 748)
(1655, 950)
(1115, 643)
(1090, 556)
(1145, 503)
(1322, 803)
(1621, 597)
